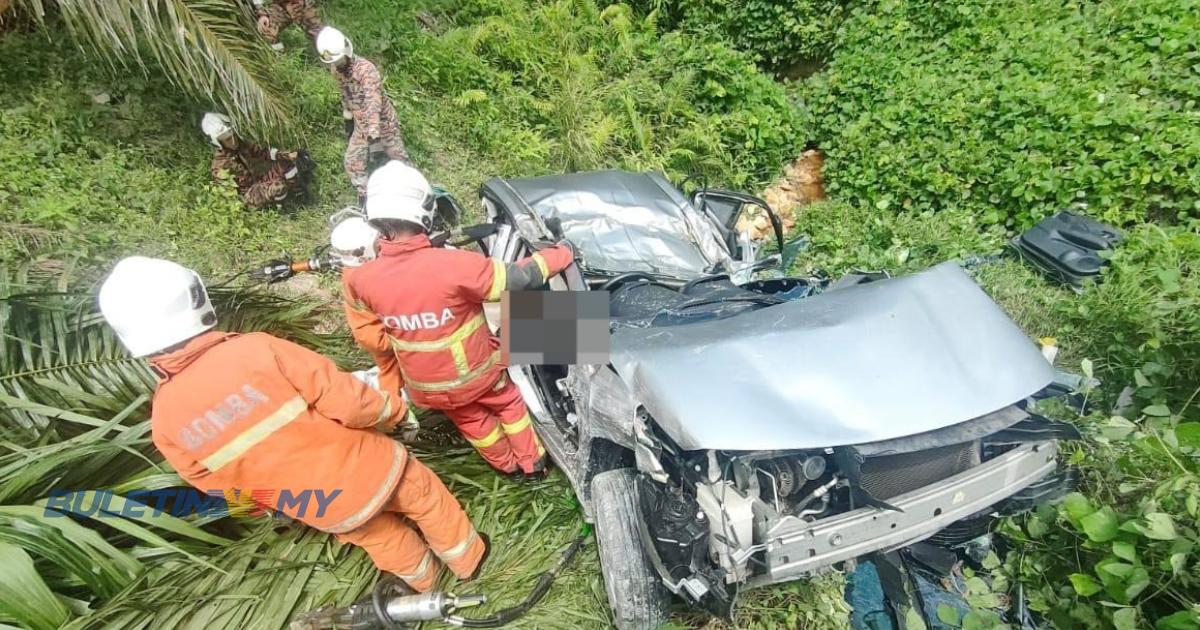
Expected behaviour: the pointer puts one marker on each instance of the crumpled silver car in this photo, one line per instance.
(755, 431)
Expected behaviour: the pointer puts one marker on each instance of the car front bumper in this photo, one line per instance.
(796, 549)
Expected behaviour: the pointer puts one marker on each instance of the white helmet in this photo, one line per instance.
(399, 191)
(333, 46)
(216, 126)
(353, 241)
(153, 304)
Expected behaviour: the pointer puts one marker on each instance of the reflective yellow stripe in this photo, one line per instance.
(518, 426)
(443, 343)
(487, 440)
(386, 411)
(499, 280)
(375, 504)
(541, 450)
(238, 446)
(453, 342)
(442, 386)
(460, 358)
(541, 263)
(500, 382)
(454, 552)
(422, 569)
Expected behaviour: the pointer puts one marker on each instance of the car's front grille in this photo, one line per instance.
(887, 476)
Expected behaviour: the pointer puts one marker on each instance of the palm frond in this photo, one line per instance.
(208, 48)
(56, 358)
(265, 577)
(24, 596)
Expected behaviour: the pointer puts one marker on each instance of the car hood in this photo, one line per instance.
(877, 361)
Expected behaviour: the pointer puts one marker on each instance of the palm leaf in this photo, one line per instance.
(265, 577)
(24, 597)
(85, 558)
(208, 48)
(57, 357)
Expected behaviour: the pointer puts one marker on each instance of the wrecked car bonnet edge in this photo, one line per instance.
(873, 362)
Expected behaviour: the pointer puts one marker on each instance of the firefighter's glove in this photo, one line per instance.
(291, 173)
(576, 255)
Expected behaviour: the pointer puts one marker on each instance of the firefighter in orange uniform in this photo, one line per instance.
(253, 411)
(429, 301)
(353, 241)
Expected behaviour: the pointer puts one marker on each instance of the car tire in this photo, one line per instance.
(636, 594)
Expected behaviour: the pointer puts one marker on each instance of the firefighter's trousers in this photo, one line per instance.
(445, 534)
(498, 425)
(358, 149)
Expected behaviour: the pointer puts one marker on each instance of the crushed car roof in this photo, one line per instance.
(872, 362)
(621, 221)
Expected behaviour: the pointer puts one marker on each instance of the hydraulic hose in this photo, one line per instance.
(384, 608)
(379, 605)
(540, 588)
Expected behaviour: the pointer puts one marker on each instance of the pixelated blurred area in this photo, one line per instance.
(555, 327)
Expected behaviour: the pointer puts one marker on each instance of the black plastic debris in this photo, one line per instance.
(1067, 246)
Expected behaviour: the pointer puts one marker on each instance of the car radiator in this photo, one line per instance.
(886, 476)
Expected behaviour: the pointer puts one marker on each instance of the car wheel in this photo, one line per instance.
(637, 596)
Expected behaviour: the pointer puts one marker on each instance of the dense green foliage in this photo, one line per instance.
(1010, 110)
(783, 33)
(564, 85)
(1125, 554)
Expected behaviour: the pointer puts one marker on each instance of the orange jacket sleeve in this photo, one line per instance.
(485, 279)
(554, 258)
(335, 394)
(370, 334)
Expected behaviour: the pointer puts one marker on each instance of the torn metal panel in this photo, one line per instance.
(621, 221)
(607, 404)
(878, 361)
